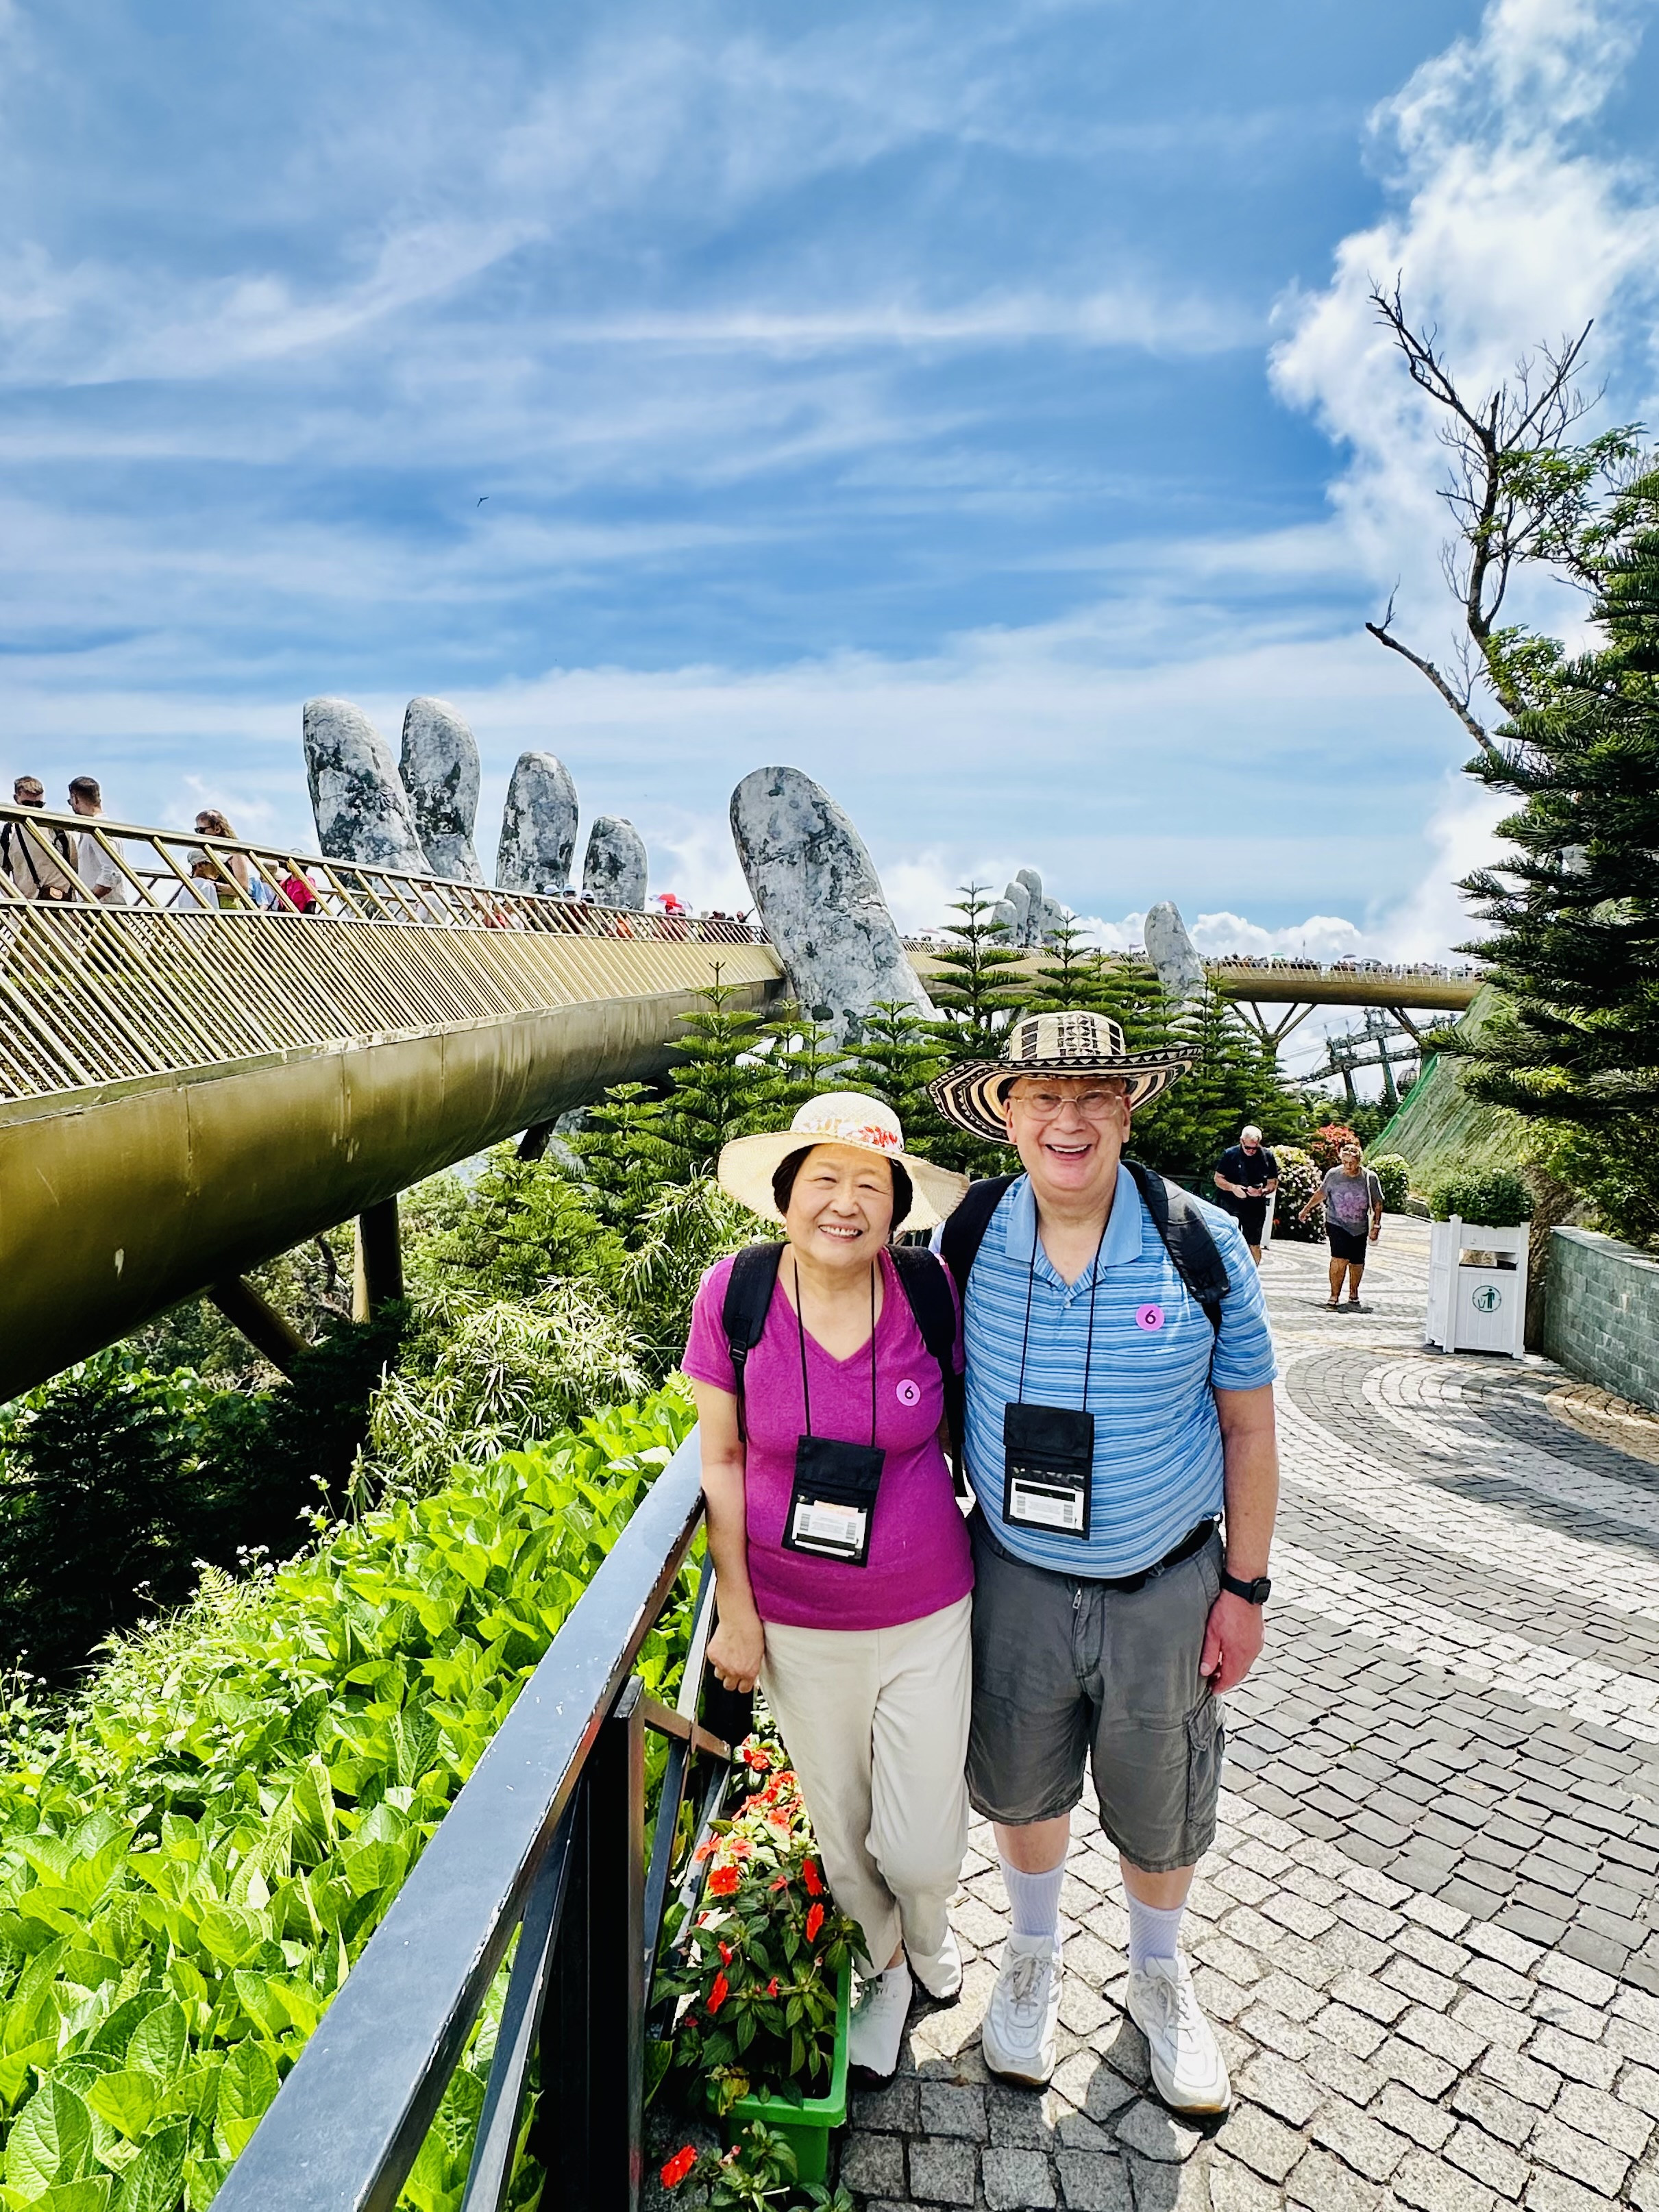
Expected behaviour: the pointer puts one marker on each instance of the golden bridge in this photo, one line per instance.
(247, 1045)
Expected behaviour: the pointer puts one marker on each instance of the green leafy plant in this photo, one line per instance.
(759, 2170)
(1299, 1180)
(756, 1977)
(1490, 1198)
(195, 1850)
(1394, 1173)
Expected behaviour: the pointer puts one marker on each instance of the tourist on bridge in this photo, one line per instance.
(1351, 1196)
(29, 857)
(95, 864)
(1120, 1419)
(823, 1368)
(234, 867)
(1248, 1176)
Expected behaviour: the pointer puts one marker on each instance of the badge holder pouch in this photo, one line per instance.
(834, 1499)
(1048, 1457)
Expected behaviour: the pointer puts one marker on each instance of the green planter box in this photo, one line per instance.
(806, 2127)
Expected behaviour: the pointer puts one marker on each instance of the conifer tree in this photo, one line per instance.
(980, 990)
(1575, 948)
(895, 1060)
(1069, 975)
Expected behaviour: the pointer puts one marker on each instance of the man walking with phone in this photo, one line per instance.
(1119, 1420)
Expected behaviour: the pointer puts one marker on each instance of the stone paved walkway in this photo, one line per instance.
(1428, 1931)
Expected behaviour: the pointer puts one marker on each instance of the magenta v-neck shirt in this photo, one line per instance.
(920, 1560)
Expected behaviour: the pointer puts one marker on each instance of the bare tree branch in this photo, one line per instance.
(1460, 707)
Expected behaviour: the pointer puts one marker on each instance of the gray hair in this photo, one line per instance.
(1250, 1130)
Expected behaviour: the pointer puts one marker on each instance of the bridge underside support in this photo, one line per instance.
(265, 1330)
(377, 1275)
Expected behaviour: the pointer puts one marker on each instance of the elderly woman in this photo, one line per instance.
(842, 1565)
(1351, 1196)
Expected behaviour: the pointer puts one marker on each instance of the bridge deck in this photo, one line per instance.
(184, 1095)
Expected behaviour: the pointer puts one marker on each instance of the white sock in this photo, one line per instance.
(1153, 1934)
(1035, 1899)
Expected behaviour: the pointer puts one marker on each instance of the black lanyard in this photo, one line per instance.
(800, 1330)
(1031, 1280)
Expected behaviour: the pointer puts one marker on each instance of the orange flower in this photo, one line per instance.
(723, 1882)
(719, 1994)
(771, 1987)
(725, 1953)
(811, 1876)
(755, 1757)
(680, 2166)
(814, 1922)
(705, 1849)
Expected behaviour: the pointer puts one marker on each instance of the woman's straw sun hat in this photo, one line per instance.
(1074, 1044)
(747, 1164)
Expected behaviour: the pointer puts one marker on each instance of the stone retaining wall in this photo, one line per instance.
(1602, 1313)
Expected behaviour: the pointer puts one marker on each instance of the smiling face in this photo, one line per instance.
(841, 1208)
(1069, 1131)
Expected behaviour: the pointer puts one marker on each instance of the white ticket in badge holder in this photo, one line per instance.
(828, 1527)
(1045, 1507)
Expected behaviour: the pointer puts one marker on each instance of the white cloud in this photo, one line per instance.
(1509, 228)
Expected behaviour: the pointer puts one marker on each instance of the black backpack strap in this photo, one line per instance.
(964, 1229)
(928, 1290)
(748, 1289)
(1186, 1239)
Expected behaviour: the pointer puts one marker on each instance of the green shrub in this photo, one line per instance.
(1394, 1173)
(116, 1484)
(194, 1851)
(1298, 1179)
(1491, 1198)
(1325, 1146)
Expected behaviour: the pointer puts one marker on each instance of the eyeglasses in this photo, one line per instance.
(1093, 1105)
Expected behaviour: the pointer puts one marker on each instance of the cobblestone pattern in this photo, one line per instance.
(1427, 1933)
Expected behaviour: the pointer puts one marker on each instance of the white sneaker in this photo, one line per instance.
(1188, 2069)
(1017, 2038)
(942, 1977)
(877, 2027)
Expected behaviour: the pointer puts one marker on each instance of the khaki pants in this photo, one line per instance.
(875, 1721)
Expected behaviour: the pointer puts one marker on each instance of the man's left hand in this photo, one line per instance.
(1232, 1642)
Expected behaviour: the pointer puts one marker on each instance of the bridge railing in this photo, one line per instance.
(56, 859)
(545, 1841)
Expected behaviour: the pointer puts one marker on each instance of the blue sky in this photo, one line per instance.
(971, 404)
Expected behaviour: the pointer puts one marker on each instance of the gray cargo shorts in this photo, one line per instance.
(1066, 1668)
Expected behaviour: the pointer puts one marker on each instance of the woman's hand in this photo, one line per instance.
(736, 1651)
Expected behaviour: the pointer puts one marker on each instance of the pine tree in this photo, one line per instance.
(800, 1061)
(1575, 947)
(1069, 975)
(719, 1085)
(980, 987)
(1234, 1079)
(895, 1060)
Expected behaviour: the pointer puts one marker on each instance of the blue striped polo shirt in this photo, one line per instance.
(1157, 1440)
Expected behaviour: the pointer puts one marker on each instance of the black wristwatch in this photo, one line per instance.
(1254, 1592)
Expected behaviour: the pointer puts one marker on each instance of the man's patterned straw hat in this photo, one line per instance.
(837, 1117)
(972, 1095)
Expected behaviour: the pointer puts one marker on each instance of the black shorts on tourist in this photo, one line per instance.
(1251, 1215)
(1346, 1243)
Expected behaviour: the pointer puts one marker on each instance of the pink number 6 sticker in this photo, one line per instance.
(909, 1393)
(1149, 1316)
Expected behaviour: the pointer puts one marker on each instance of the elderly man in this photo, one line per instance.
(1118, 1416)
(1248, 1176)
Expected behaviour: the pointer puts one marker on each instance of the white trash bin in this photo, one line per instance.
(1477, 1287)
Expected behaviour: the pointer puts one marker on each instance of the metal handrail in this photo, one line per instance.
(546, 1840)
(157, 869)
